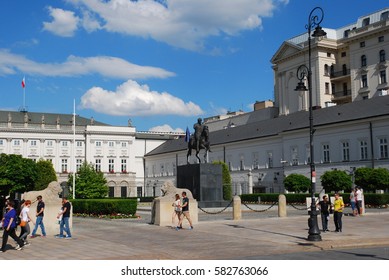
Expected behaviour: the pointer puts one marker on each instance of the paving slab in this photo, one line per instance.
(211, 239)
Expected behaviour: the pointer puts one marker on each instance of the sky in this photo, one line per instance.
(161, 63)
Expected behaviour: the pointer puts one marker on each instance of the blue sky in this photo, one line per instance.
(161, 64)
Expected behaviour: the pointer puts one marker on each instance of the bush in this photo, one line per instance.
(297, 183)
(105, 206)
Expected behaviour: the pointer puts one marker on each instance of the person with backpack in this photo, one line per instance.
(9, 226)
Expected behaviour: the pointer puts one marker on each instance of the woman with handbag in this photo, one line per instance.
(24, 220)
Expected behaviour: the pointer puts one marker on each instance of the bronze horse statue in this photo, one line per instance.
(203, 144)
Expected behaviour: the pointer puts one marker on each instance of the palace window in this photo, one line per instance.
(111, 165)
(363, 61)
(64, 165)
(345, 151)
(363, 154)
(383, 146)
(98, 165)
(124, 166)
(326, 152)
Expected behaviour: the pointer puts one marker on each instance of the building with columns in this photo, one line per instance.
(117, 151)
(348, 64)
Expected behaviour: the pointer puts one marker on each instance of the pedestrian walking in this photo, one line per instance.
(353, 202)
(185, 211)
(176, 212)
(64, 224)
(40, 209)
(24, 222)
(9, 227)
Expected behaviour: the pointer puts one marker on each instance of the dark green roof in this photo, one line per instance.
(49, 118)
(358, 110)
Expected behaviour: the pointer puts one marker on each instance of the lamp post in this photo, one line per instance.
(314, 20)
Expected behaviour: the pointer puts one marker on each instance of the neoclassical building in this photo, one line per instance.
(351, 114)
(348, 64)
(117, 151)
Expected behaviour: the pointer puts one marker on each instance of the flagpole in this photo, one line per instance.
(74, 144)
(24, 99)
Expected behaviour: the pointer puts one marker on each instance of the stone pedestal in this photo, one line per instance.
(53, 204)
(162, 208)
(282, 206)
(205, 182)
(237, 212)
(164, 211)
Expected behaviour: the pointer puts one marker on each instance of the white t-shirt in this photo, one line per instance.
(24, 213)
(359, 194)
(177, 203)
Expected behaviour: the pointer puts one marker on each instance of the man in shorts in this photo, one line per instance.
(185, 211)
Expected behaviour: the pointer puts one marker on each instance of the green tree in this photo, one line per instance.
(362, 177)
(379, 179)
(297, 183)
(226, 180)
(17, 174)
(336, 180)
(89, 183)
(45, 174)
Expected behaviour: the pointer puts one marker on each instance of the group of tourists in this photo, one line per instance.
(181, 211)
(20, 216)
(326, 207)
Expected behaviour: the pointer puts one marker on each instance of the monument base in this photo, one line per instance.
(164, 212)
(204, 180)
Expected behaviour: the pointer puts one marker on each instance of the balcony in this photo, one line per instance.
(340, 75)
(341, 97)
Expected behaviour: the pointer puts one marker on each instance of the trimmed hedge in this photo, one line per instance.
(105, 206)
(370, 198)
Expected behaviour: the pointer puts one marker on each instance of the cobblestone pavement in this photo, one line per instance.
(214, 237)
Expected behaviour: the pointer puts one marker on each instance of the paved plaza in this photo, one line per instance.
(215, 237)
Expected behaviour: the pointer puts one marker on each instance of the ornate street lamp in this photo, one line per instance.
(305, 72)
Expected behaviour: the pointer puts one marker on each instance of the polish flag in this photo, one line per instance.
(23, 83)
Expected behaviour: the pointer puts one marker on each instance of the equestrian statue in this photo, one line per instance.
(199, 140)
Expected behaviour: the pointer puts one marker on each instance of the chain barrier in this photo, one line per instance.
(218, 212)
(255, 210)
(306, 208)
(263, 210)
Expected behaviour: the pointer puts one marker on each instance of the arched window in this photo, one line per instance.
(363, 61)
(382, 56)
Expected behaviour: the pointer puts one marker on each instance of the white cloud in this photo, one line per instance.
(64, 23)
(89, 22)
(106, 66)
(133, 99)
(184, 24)
(165, 128)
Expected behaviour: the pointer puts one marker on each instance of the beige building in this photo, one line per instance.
(348, 64)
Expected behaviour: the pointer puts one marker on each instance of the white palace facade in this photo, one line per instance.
(351, 114)
(117, 151)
